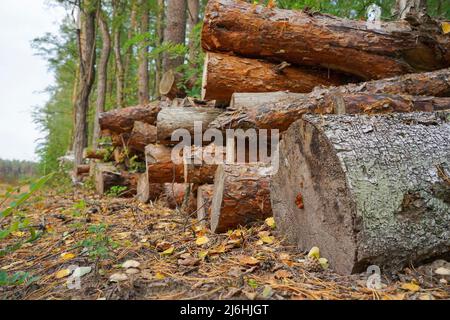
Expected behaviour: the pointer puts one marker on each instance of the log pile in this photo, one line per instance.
(363, 166)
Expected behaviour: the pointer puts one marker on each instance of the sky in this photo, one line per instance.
(23, 76)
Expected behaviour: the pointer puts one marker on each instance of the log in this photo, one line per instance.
(175, 194)
(157, 153)
(166, 172)
(142, 135)
(171, 119)
(146, 191)
(314, 39)
(200, 164)
(366, 189)
(204, 198)
(98, 154)
(83, 169)
(168, 86)
(122, 120)
(279, 110)
(241, 196)
(107, 176)
(226, 74)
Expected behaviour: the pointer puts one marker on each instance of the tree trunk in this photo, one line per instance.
(305, 38)
(175, 194)
(143, 83)
(406, 7)
(174, 32)
(102, 76)
(142, 135)
(122, 120)
(279, 110)
(366, 189)
(120, 72)
(107, 177)
(148, 191)
(204, 199)
(171, 119)
(241, 196)
(86, 43)
(200, 163)
(132, 31)
(224, 75)
(193, 19)
(159, 41)
(166, 172)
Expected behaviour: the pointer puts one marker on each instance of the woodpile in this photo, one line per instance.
(363, 166)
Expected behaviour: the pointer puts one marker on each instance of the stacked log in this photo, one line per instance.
(366, 189)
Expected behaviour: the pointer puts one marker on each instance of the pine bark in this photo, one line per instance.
(279, 110)
(241, 196)
(366, 189)
(107, 176)
(226, 74)
(306, 38)
(142, 135)
(120, 69)
(175, 31)
(146, 191)
(143, 79)
(204, 199)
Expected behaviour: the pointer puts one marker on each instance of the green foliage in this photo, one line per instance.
(16, 279)
(98, 245)
(79, 208)
(135, 165)
(116, 191)
(12, 220)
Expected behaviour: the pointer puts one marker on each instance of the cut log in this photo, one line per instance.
(83, 169)
(314, 39)
(175, 194)
(200, 165)
(168, 86)
(241, 196)
(366, 189)
(122, 120)
(142, 135)
(98, 154)
(166, 172)
(148, 191)
(171, 119)
(279, 110)
(225, 74)
(204, 199)
(157, 153)
(107, 177)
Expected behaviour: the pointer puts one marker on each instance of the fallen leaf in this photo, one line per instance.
(63, 273)
(169, 251)
(132, 271)
(163, 246)
(159, 276)
(324, 263)
(118, 277)
(202, 240)
(131, 264)
(267, 292)
(252, 283)
(410, 287)
(442, 271)
(19, 234)
(271, 222)
(282, 274)
(268, 240)
(123, 235)
(446, 27)
(67, 256)
(247, 260)
(81, 271)
(314, 253)
(202, 254)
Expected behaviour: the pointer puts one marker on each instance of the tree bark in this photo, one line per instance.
(193, 8)
(165, 172)
(122, 120)
(224, 75)
(107, 176)
(146, 191)
(159, 41)
(175, 194)
(120, 70)
(97, 154)
(157, 153)
(305, 38)
(143, 81)
(174, 32)
(204, 199)
(280, 110)
(241, 196)
(171, 119)
(83, 169)
(86, 44)
(405, 7)
(102, 75)
(366, 189)
(142, 135)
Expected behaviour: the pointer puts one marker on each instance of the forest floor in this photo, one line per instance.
(179, 259)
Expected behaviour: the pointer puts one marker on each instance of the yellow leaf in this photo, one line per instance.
(248, 260)
(202, 240)
(259, 243)
(270, 222)
(63, 273)
(314, 253)
(410, 287)
(19, 234)
(159, 276)
(203, 254)
(169, 251)
(446, 27)
(324, 263)
(67, 256)
(268, 240)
